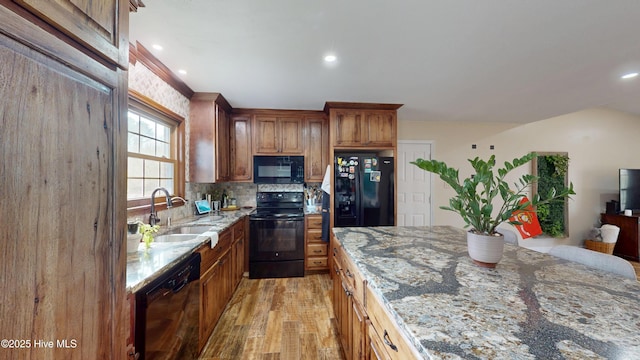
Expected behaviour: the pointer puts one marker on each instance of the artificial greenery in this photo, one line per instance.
(474, 199)
(147, 232)
(552, 170)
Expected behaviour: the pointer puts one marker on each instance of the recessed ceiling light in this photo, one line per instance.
(629, 75)
(156, 46)
(182, 71)
(330, 58)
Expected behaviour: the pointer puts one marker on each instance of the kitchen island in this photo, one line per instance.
(531, 306)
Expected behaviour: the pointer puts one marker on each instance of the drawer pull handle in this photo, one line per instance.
(349, 274)
(347, 292)
(388, 342)
(317, 262)
(317, 251)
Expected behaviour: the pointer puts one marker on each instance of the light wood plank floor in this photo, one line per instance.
(636, 266)
(277, 319)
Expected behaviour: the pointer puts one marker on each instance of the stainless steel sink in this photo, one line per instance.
(174, 238)
(209, 219)
(186, 229)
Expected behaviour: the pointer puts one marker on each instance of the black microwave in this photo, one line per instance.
(278, 169)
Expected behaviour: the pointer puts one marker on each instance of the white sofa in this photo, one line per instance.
(541, 243)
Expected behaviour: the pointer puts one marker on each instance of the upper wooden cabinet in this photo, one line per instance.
(93, 24)
(363, 125)
(209, 142)
(317, 148)
(275, 134)
(240, 157)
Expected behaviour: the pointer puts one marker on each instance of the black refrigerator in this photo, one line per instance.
(363, 190)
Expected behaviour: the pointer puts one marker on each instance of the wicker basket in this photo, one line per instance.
(599, 246)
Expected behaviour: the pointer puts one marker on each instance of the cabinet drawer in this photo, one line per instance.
(353, 278)
(315, 236)
(316, 250)
(389, 337)
(314, 263)
(314, 222)
(210, 255)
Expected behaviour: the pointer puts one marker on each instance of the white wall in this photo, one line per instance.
(599, 141)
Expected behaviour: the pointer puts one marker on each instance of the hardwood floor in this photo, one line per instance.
(636, 266)
(277, 319)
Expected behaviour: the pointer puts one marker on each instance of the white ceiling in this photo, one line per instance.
(459, 60)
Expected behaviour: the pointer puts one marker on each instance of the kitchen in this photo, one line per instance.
(309, 165)
(56, 201)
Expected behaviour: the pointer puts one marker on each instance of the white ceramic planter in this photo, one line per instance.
(485, 250)
(133, 241)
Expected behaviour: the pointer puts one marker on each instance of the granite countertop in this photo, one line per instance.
(531, 306)
(146, 265)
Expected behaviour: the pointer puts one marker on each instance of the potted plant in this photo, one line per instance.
(474, 201)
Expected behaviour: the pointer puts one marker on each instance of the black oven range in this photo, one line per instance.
(276, 246)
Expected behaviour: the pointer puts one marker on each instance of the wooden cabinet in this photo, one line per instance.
(316, 155)
(95, 25)
(215, 283)
(63, 124)
(221, 269)
(627, 246)
(365, 328)
(316, 250)
(278, 135)
(363, 125)
(238, 254)
(209, 138)
(348, 302)
(384, 336)
(240, 157)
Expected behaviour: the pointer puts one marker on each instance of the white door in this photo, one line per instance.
(414, 184)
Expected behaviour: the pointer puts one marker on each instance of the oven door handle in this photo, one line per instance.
(267, 218)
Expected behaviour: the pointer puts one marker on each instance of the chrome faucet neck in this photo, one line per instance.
(153, 217)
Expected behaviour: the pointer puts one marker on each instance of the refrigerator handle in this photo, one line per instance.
(360, 188)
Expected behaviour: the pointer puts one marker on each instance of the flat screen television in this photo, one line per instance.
(630, 189)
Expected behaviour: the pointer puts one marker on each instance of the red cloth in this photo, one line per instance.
(530, 225)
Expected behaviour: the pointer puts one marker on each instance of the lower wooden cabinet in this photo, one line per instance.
(214, 286)
(238, 252)
(316, 250)
(365, 329)
(221, 270)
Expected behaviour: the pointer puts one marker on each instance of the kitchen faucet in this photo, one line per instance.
(153, 218)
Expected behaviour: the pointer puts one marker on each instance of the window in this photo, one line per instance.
(155, 147)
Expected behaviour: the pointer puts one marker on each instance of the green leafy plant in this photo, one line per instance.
(552, 170)
(147, 232)
(474, 199)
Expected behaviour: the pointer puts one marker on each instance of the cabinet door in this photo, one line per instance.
(202, 141)
(62, 143)
(93, 24)
(345, 318)
(238, 253)
(241, 155)
(266, 135)
(317, 149)
(378, 128)
(290, 137)
(222, 145)
(347, 127)
(358, 331)
(214, 294)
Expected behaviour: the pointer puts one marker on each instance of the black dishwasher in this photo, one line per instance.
(167, 311)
